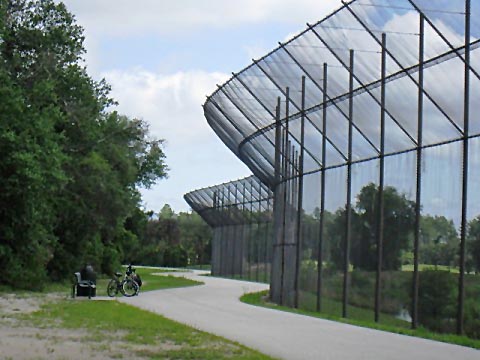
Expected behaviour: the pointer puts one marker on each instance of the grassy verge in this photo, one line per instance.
(157, 282)
(308, 302)
(260, 299)
(124, 331)
(150, 280)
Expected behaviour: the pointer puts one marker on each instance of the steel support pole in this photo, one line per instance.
(250, 239)
(285, 195)
(381, 181)
(264, 222)
(214, 242)
(275, 288)
(224, 246)
(251, 248)
(242, 233)
(233, 232)
(300, 196)
(286, 159)
(418, 198)
(322, 190)
(267, 236)
(237, 232)
(348, 231)
(466, 132)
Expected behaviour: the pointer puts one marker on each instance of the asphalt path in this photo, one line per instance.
(215, 308)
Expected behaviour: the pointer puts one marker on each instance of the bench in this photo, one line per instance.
(83, 287)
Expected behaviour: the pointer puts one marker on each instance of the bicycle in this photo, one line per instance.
(127, 286)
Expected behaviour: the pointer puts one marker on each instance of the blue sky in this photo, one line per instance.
(163, 57)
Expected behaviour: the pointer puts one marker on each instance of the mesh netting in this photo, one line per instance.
(363, 133)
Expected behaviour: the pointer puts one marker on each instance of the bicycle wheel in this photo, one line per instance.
(112, 288)
(129, 287)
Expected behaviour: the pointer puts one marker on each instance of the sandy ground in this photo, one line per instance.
(20, 339)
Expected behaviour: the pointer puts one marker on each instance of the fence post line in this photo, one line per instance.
(268, 239)
(322, 189)
(348, 232)
(466, 132)
(300, 195)
(381, 181)
(233, 231)
(237, 231)
(418, 198)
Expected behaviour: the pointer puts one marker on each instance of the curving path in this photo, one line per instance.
(215, 308)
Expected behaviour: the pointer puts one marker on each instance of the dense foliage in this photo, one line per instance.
(70, 168)
(399, 217)
(171, 239)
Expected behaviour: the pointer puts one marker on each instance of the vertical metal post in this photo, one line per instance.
(466, 132)
(348, 232)
(263, 223)
(228, 236)
(236, 244)
(223, 239)
(275, 283)
(418, 198)
(252, 222)
(381, 181)
(267, 235)
(245, 221)
(232, 232)
(300, 195)
(250, 237)
(322, 190)
(240, 246)
(214, 242)
(286, 159)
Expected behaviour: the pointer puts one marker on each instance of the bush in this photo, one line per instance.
(472, 318)
(175, 256)
(437, 299)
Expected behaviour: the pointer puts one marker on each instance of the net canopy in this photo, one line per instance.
(243, 110)
(363, 131)
(232, 203)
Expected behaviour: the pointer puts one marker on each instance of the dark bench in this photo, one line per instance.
(83, 286)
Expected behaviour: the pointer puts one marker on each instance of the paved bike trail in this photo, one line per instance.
(215, 308)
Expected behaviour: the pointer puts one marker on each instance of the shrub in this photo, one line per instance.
(437, 299)
(175, 256)
(472, 318)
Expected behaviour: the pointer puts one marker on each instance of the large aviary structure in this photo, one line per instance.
(362, 133)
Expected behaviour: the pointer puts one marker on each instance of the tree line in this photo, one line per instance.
(170, 239)
(439, 241)
(70, 167)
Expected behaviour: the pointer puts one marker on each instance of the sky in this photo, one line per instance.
(163, 57)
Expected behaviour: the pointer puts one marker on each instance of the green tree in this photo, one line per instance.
(399, 217)
(71, 168)
(439, 241)
(399, 220)
(196, 237)
(473, 244)
(166, 212)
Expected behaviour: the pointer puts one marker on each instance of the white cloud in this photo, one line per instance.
(171, 104)
(124, 17)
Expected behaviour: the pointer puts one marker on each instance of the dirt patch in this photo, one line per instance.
(19, 339)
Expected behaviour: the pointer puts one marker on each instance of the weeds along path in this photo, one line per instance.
(215, 307)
